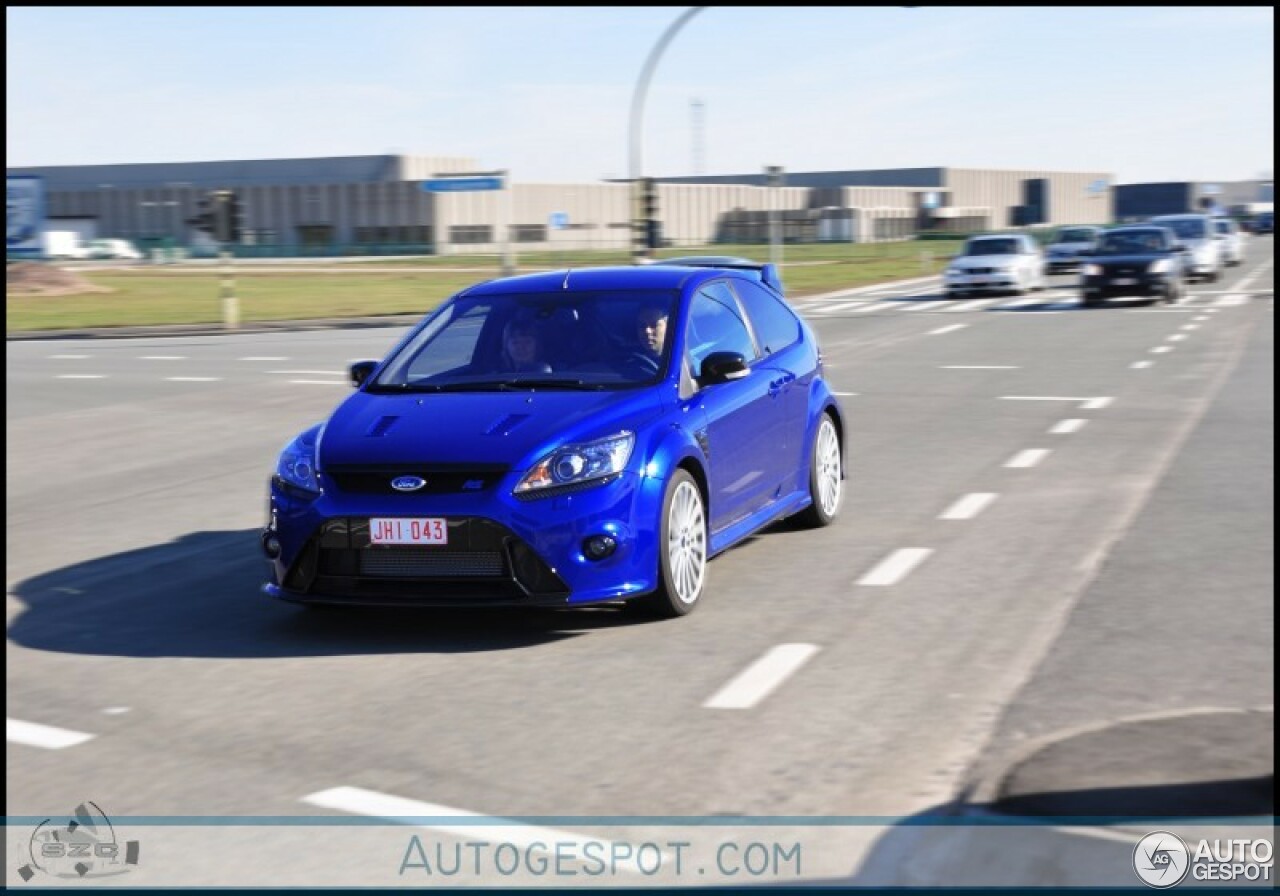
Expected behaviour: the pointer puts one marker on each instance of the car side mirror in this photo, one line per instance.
(720, 367)
(360, 372)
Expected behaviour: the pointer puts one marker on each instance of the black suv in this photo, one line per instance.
(1135, 261)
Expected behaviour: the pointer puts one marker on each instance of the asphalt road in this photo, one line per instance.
(1055, 517)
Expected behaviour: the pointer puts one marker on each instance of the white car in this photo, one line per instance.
(1009, 262)
(114, 249)
(1204, 250)
(1232, 239)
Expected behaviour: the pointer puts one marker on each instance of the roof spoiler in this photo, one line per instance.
(767, 271)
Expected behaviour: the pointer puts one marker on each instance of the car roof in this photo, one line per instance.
(1130, 228)
(1185, 216)
(654, 276)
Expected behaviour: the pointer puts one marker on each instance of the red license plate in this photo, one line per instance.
(408, 530)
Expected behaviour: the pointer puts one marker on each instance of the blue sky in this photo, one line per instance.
(1147, 94)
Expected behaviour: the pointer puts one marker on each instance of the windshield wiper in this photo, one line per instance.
(549, 383)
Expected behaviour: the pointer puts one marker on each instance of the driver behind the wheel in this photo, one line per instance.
(651, 328)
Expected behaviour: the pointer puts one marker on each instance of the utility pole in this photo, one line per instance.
(774, 177)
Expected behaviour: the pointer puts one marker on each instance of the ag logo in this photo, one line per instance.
(83, 845)
(1161, 859)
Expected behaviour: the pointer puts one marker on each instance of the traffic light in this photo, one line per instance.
(203, 219)
(649, 211)
(235, 217)
(222, 231)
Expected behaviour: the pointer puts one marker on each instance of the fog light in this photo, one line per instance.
(597, 547)
(271, 546)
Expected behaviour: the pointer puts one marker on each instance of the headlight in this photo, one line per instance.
(1091, 270)
(954, 272)
(297, 464)
(1163, 266)
(579, 463)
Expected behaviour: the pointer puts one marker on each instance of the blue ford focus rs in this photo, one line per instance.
(563, 439)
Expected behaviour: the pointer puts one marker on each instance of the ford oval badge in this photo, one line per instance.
(408, 483)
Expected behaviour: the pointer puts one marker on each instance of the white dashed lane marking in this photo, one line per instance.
(1066, 427)
(82, 376)
(968, 507)
(762, 677)
(1028, 458)
(896, 566)
(45, 736)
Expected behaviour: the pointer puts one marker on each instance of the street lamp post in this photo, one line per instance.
(636, 142)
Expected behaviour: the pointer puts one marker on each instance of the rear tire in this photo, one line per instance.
(682, 550)
(826, 475)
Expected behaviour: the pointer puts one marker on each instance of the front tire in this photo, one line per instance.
(826, 475)
(682, 549)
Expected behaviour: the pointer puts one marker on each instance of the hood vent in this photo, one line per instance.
(506, 424)
(382, 427)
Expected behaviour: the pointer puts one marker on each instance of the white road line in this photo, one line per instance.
(319, 382)
(1176, 337)
(82, 376)
(896, 566)
(67, 357)
(193, 379)
(46, 736)
(1088, 404)
(837, 307)
(116, 710)
(1161, 349)
(1202, 318)
(1189, 327)
(762, 677)
(922, 305)
(1028, 458)
(359, 801)
(876, 306)
(846, 394)
(970, 305)
(978, 367)
(1141, 365)
(969, 506)
(1066, 427)
(316, 372)
(1228, 301)
(1262, 269)
(162, 357)
(1209, 310)
(263, 358)
(1019, 303)
(948, 329)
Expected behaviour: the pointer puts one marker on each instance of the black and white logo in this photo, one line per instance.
(408, 483)
(1161, 859)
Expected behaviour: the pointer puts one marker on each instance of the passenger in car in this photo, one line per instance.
(522, 349)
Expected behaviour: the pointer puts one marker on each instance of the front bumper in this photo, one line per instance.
(501, 551)
(987, 279)
(1127, 283)
(1062, 264)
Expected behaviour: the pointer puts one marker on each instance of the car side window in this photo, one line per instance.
(775, 325)
(716, 325)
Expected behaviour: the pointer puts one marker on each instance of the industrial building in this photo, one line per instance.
(371, 204)
(1241, 199)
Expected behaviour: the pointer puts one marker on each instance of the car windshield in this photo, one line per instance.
(992, 247)
(1079, 235)
(1222, 226)
(575, 340)
(1185, 228)
(1132, 242)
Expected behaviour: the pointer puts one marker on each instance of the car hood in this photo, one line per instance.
(511, 429)
(984, 261)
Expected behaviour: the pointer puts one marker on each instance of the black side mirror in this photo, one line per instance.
(360, 372)
(720, 367)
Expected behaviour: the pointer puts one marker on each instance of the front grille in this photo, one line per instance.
(483, 561)
(980, 271)
(425, 563)
(439, 480)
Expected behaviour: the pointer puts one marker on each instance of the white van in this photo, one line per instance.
(114, 249)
